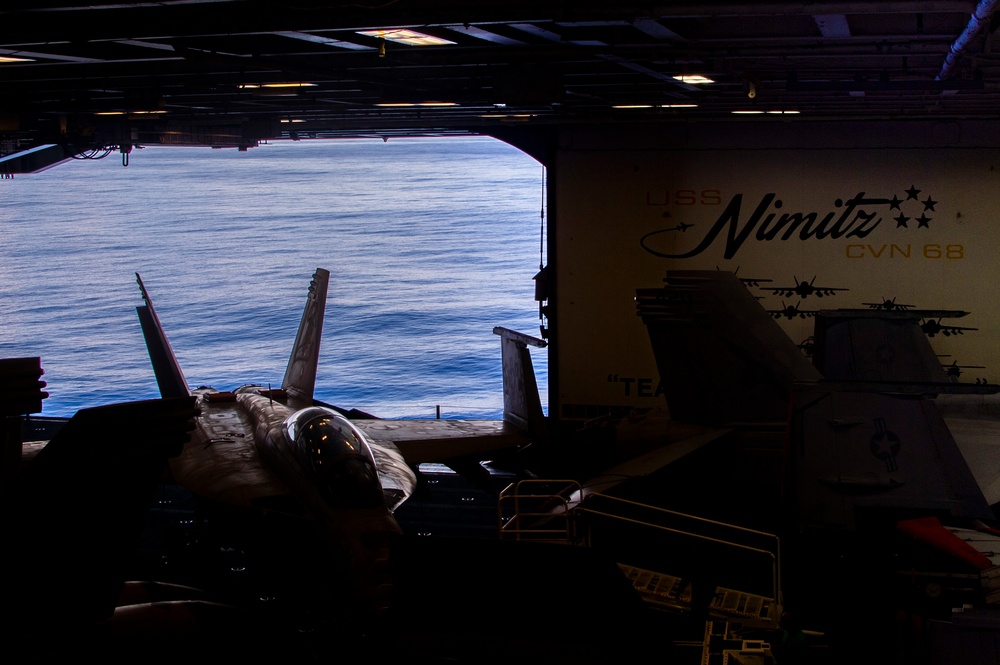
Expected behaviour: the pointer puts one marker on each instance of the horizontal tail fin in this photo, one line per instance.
(169, 376)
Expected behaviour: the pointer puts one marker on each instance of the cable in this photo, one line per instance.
(541, 232)
(96, 153)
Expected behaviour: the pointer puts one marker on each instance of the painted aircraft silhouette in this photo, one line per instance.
(281, 450)
(933, 327)
(805, 289)
(791, 311)
(954, 370)
(887, 305)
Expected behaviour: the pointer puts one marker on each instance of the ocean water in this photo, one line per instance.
(430, 244)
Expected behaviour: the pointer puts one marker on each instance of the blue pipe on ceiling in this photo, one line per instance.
(982, 15)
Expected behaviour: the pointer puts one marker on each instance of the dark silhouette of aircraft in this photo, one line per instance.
(888, 305)
(74, 514)
(791, 311)
(954, 370)
(280, 450)
(805, 289)
(857, 437)
(275, 449)
(933, 327)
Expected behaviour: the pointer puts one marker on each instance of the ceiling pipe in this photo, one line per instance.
(984, 11)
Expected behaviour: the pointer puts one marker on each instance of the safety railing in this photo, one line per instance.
(538, 510)
(550, 510)
(687, 527)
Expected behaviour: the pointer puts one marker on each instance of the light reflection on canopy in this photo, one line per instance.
(327, 444)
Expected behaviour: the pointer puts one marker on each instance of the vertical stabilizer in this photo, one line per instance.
(169, 376)
(859, 457)
(522, 405)
(300, 375)
(721, 357)
(875, 345)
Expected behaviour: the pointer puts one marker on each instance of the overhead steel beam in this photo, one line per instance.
(33, 160)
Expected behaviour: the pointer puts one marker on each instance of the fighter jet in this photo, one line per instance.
(280, 450)
(275, 449)
(805, 289)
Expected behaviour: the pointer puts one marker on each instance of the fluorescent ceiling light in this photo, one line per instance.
(508, 116)
(772, 112)
(10, 58)
(694, 79)
(408, 37)
(409, 104)
(156, 112)
(655, 106)
(296, 84)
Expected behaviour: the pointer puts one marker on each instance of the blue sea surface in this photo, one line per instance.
(430, 244)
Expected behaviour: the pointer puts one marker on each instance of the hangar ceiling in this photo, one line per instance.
(89, 74)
